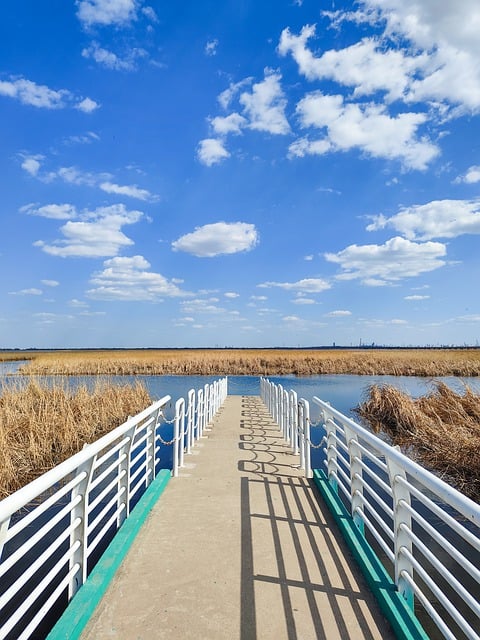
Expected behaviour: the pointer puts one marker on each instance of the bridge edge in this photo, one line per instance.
(76, 616)
(402, 619)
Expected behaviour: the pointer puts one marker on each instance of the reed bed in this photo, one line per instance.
(42, 426)
(441, 430)
(267, 362)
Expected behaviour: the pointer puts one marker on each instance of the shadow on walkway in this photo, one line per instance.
(291, 554)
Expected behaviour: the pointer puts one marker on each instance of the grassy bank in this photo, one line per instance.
(302, 362)
(441, 430)
(42, 426)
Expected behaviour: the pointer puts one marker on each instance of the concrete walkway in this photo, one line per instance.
(238, 548)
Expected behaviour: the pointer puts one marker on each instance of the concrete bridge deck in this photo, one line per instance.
(238, 547)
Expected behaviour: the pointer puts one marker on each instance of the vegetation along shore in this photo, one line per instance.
(40, 426)
(301, 362)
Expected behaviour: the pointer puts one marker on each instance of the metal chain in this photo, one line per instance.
(164, 442)
(315, 446)
(320, 422)
(164, 419)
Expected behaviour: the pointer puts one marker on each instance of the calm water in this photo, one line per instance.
(344, 392)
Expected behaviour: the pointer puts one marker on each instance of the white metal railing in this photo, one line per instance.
(53, 530)
(427, 532)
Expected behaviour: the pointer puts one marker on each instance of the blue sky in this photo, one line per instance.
(239, 173)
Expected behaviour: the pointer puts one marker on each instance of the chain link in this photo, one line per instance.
(315, 446)
(164, 419)
(320, 422)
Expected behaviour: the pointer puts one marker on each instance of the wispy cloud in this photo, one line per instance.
(38, 95)
(307, 285)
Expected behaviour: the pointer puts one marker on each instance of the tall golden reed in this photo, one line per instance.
(41, 426)
(258, 362)
(441, 430)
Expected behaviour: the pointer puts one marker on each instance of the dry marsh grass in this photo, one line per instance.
(302, 362)
(441, 430)
(42, 426)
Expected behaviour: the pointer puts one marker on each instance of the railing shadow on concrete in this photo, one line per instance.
(289, 551)
(422, 534)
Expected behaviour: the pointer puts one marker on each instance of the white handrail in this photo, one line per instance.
(54, 524)
(394, 498)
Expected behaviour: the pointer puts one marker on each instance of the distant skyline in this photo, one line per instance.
(227, 174)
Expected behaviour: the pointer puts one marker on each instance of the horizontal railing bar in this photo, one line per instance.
(373, 513)
(142, 439)
(141, 469)
(106, 490)
(49, 602)
(454, 553)
(429, 608)
(375, 477)
(442, 598)
(39, 588)
(371, 455)
(467, 535)
(38, 535)
(104, 510)
(43, 506)
(367, 522)
(106, 472)
(446, 574)
(101, 534)
(15, 501)
(40, 561)
(100, 460)
(446, 493)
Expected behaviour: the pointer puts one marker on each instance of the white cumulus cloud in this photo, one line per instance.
(219, 238)
(398, 258)
(265, 105)
(97, 235)
(436, 219)
(367, 127)
(131, 279)
(471, 176)
(211, 151)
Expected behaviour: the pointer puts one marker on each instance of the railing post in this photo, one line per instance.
(402, 523)
(304, 436)
(199, 413)
(3, 534)
(356, 486)
(286, 415)
(80, 533)
(293, 421)
(190, 420)
(307, 447)
(177, 431)
(124, 477)
(206, 405)
(150, 446)
(331, 429)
